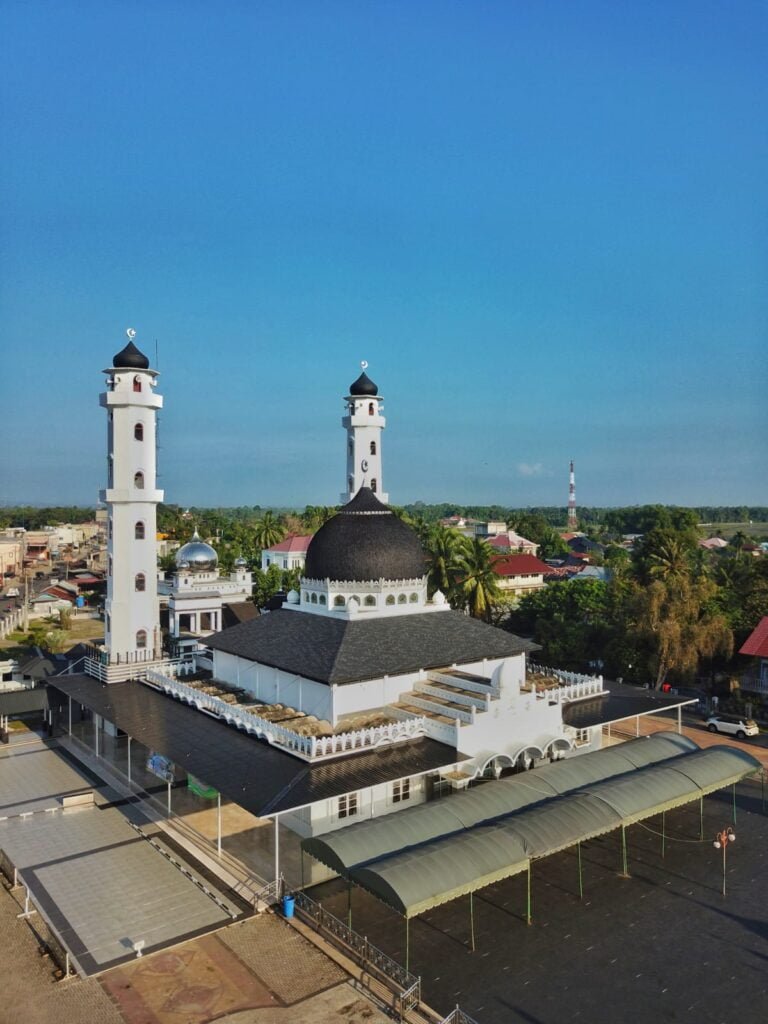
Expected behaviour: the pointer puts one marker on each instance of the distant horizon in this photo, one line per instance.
(266, 506)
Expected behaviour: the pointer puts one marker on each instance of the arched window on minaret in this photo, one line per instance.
(373, 447)
(137, 383)
(138, 531)
(351, 483)
(140, 582)
(138, 481)
(141, 639)
(374, 484)
(371, 409)
(138, 432)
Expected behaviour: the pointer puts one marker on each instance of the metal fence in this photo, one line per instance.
(458, 1016)
(408, 986)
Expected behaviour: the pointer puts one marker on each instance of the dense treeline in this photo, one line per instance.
(32, 518)
(632, 519)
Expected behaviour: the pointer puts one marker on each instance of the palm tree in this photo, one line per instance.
(444, 549)
(479, 583)
(268, 531)
(671, 560)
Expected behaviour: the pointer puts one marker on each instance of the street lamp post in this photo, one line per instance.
(723, 840)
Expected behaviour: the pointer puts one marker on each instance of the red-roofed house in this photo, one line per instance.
(756, 646)
(520, 574)
(511, 541)
(290, 553)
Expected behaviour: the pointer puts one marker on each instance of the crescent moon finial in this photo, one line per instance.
(131, 334)
(364, 364)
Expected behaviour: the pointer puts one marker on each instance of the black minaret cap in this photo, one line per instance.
(130, 359)
(363, 386)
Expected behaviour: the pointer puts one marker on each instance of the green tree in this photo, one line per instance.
(268, 531)
(678, 621)
(444, 549)
(478, 585)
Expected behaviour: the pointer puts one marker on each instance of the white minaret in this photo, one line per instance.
(132, 629)
(364, 423)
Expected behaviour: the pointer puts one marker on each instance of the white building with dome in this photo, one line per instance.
(196, 593)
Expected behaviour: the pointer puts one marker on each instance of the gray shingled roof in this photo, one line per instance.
(255, 775)
(331, 650)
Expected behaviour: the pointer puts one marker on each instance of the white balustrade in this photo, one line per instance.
(307, 747)
(572, 685)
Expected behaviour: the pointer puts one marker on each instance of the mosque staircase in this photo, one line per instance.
(448, 696)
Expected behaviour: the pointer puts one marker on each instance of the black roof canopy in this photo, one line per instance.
(248, 771)
(341, 651)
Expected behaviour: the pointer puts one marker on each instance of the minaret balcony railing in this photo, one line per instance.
(133, 494)
(137, 399)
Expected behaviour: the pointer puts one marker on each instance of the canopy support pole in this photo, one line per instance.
(528, 911)
(302, 867)
(663, 834)
(407, 944)
(472, 918)
(624, 872)
(581, 887)
(349, 904)
(734, 803)
(762, 789)
(701, 817)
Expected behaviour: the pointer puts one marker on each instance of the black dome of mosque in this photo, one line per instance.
(365, 541)
(363, 386)
(130, 359)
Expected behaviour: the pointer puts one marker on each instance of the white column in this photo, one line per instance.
(218, 823)
(129, 760)
(277, 849)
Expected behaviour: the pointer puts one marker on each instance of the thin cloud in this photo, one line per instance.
(531, 469)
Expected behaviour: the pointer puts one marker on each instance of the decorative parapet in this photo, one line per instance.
(571, 686)
(308, 748)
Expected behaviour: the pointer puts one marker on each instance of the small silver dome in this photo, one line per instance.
(240, 562)
(183, 564)
(199, 556)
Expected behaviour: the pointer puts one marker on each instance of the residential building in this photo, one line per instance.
(290, 553)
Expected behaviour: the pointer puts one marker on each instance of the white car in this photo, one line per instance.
(734, 725)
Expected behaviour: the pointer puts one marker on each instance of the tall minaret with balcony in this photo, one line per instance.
(364, 423)
(132, 628)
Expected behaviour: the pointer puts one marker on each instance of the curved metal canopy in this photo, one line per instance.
(365, 841)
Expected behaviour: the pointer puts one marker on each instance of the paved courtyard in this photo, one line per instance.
(259, 971)
(94, 878)
(662, 945)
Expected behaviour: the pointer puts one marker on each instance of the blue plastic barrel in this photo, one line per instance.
(289, 904)
(80, 601)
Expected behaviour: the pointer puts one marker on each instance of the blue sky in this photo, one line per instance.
(543, 225)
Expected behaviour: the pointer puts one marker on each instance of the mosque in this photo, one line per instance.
(361, 695)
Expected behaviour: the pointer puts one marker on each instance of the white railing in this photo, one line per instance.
(571, 685)
(120, 673)
(310, 748)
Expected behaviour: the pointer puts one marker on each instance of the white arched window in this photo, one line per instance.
(137, 383)
(402, 599)
(390, 598)
(140, 582)
(373, 447)
(138, 480)
(338, 601)
(138, 432)
(370, 601)
(374, 484)
(371, 409)
(141, 639)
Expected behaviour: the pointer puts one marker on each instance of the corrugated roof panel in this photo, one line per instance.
(417, 880)
(561, 823)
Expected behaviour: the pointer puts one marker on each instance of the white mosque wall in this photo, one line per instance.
(273, 685)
